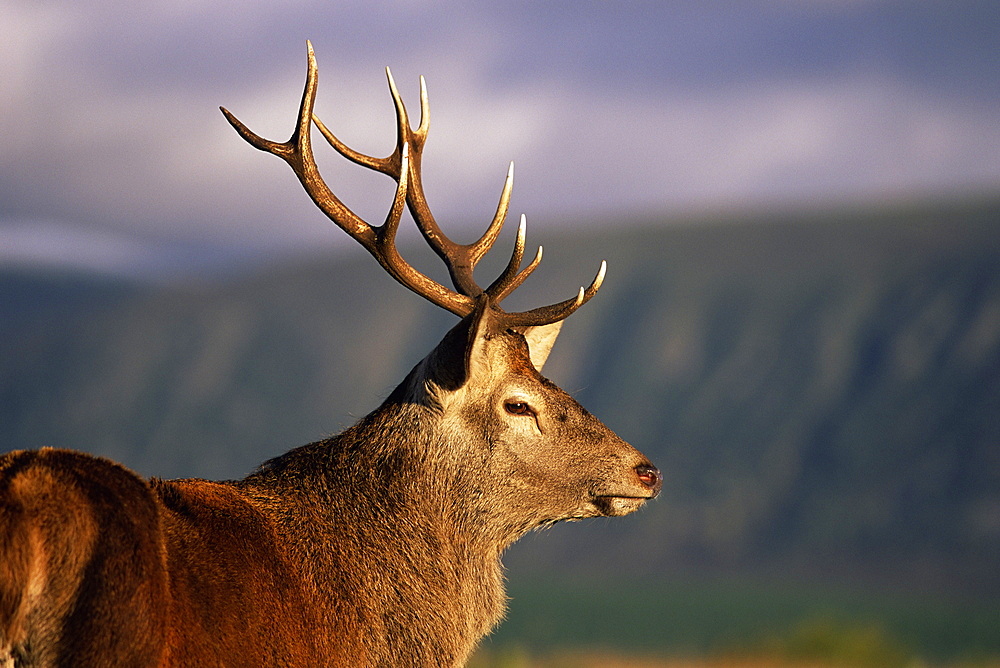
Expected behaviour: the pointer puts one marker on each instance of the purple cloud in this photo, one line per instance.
(110, 119)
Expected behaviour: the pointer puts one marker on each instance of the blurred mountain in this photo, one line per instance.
(822, 391)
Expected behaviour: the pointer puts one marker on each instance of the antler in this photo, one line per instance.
(403, 165)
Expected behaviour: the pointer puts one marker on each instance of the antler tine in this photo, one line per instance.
(379, 241)
(425, 111)
(546, 315)
(391, 164)
(403, 129)
(480, 247)
(511, 278)
(383, 165)
(462, 259)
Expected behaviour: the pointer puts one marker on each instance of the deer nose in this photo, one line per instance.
(650, 476)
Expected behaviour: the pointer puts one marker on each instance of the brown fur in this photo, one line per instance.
(378, 547)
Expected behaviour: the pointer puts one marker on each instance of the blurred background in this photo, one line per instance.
(799, 202)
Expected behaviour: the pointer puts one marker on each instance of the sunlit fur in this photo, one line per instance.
(377, 547)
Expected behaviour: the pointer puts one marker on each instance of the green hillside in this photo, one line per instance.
(822, 391)
(822, 394)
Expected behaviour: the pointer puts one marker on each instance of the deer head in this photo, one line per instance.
(521, 443)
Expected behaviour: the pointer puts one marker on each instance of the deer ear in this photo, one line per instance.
(481, 326)
(540, 340)
(462, 352)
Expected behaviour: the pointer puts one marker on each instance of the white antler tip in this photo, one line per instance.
(600, 277)
(509, 181)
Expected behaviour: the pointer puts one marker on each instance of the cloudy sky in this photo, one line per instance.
(114, 153)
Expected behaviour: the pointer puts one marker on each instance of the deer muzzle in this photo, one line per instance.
(645, 485)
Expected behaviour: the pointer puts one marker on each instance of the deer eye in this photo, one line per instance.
(518, 408)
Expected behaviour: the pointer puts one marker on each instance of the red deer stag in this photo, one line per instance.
(377, 547)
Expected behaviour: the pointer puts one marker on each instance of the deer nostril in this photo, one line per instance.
(649, 475)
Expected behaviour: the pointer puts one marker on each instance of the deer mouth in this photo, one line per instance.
(650, 482)
(615, 506)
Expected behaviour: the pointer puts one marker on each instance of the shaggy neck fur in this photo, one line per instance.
(398, 539)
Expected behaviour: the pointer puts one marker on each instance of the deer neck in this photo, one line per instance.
(401, 509)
